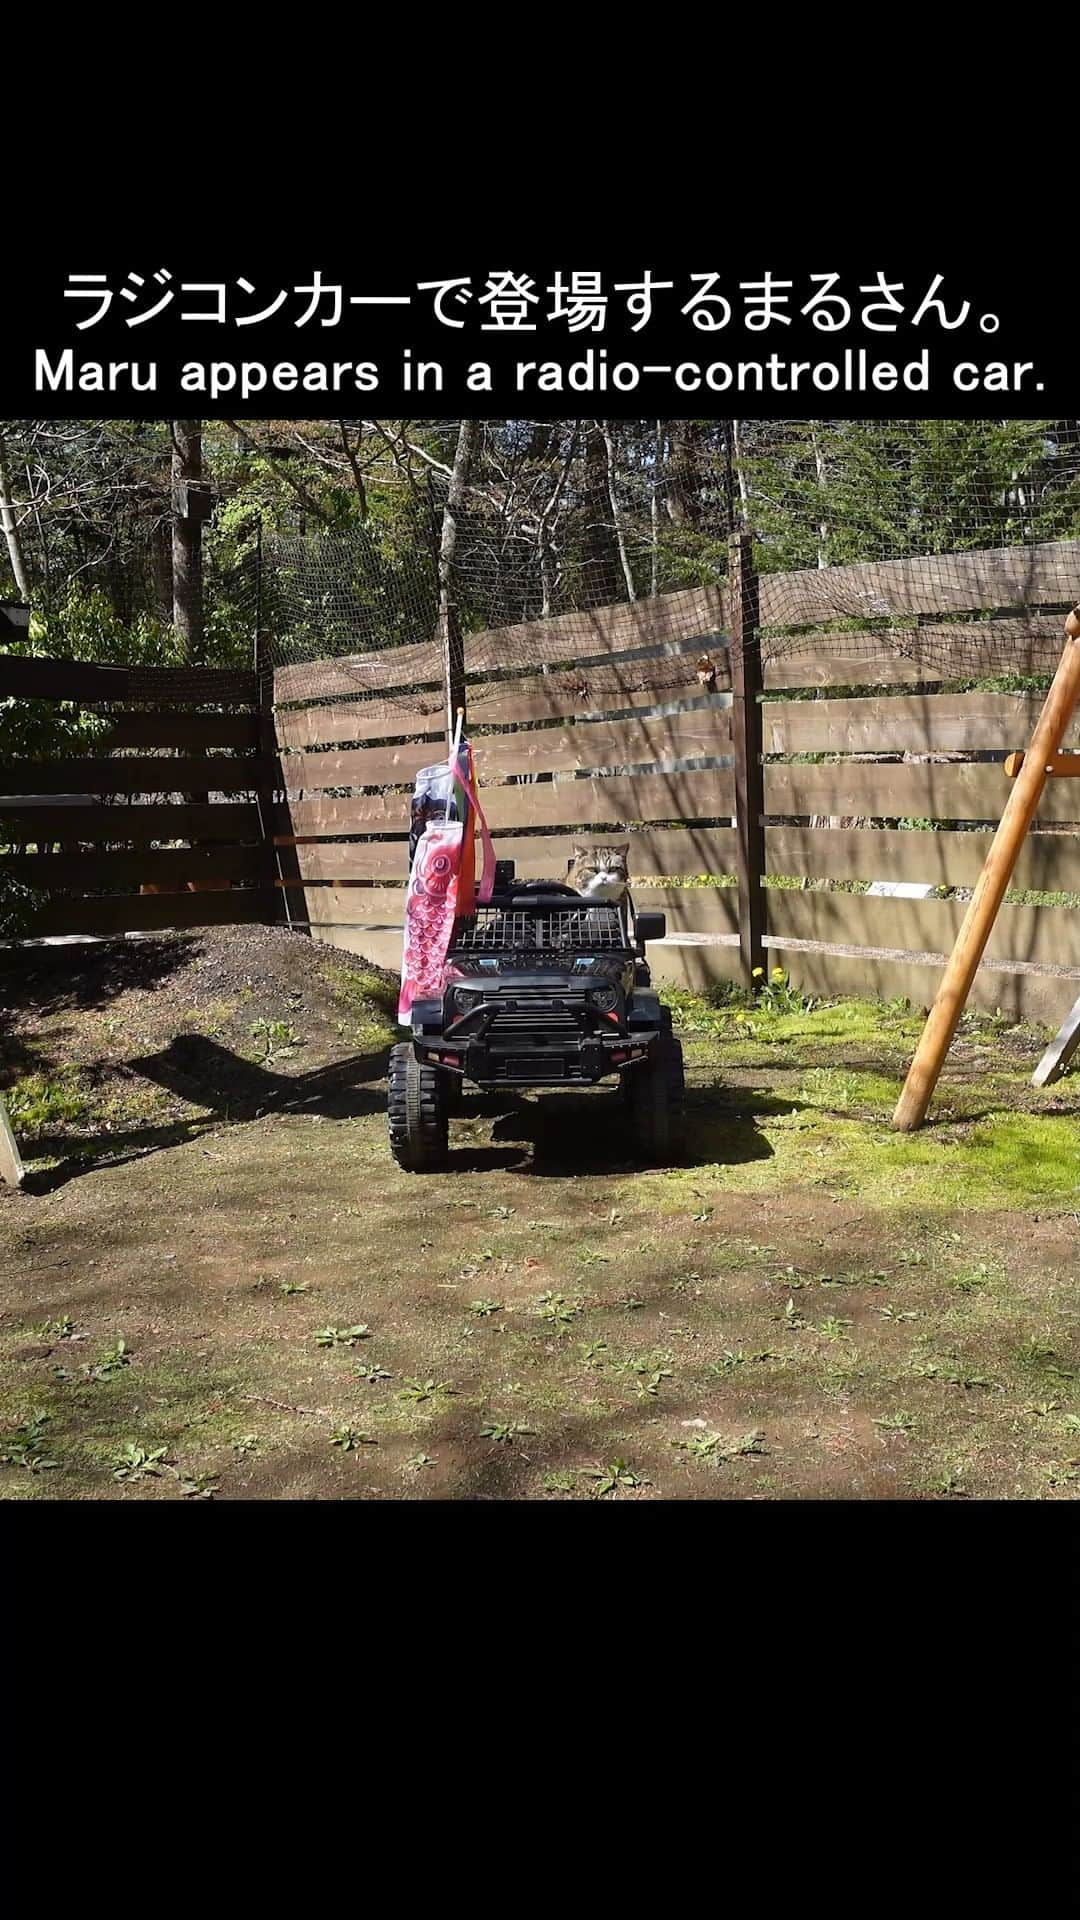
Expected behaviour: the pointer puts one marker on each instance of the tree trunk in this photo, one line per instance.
(819, 469)
(187, 541)
(601, 584)
(449, 630)
(11, 530)
(684, 480)
(546, 523)
(161, 568)
(744, 491)
(616, 515)
(654, 507)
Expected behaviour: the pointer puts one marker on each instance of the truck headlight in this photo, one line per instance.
(604, 999)
(465, 998)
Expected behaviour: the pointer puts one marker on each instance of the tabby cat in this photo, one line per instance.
(600, 873)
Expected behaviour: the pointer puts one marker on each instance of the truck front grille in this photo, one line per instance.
(547, 1020)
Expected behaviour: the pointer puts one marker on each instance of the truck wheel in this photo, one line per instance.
(654, 1096)
(416, 1113)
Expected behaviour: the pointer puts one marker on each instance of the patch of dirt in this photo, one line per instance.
(218, 1257)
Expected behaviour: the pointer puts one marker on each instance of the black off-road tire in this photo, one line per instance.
(416, 1113)
(654, 1093)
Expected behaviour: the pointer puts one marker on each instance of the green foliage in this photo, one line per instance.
(26, 1446)
(275, 1036)
(616, 1478)
(139, 1463)
(340, 1336)
(779, 996)
(38, 1102)
(85, 625)
(504, 1432)
(831, 492)
(557, 1309)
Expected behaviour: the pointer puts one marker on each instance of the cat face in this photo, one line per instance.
(600, 873)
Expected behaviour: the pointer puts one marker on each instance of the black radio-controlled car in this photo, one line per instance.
(542, 988)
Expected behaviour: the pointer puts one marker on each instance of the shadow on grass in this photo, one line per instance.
(210, 1075)
(110, 1149)
(47, 980)
(562, 1134)
(235, 1090)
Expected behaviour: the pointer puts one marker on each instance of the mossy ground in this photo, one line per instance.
(808, 1306)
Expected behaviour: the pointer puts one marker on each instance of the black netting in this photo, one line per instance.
(596, 555)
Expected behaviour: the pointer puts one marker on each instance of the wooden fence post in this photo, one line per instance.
(11, 1166)
(276, 866)
(746, 684)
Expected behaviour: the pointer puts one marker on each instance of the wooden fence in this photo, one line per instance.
(614, 726)
(176, 759)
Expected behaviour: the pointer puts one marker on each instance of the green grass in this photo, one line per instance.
(38, 1103)
(809, 1306)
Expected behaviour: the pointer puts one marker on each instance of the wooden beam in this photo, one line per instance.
(1020, 809)
(29, 678)
(746, 684)
(1060, 1051)
(1059, 766)
(164, 773)
(11, 1166)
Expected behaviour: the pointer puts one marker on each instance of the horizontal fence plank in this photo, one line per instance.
(121, 825)
(692, 909)
(1038, 936)
(347, 906)
(940, 583)
(920, 723)
(1048, 863)
(607, 743)
(528, 703)
(830, 667)
(932, 651)
(587, 743)
(689, 613)
(662, 797)
(662, 682)
(602, 685)
(365, 674)
(699, 963)
(1041, 936)
(883, 789)
(317, 726)
(670, 619)
(51, 679)
(152, 912)
(214, 773)
(655, 850)
(394, 765)
(184, 731)
(169, 867)
(641, 797)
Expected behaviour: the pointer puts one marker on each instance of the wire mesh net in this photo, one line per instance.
(572, 929)
(378, 561)
(593, 557)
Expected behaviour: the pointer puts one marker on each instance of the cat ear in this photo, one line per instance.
(581, 853)
(623, 848)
